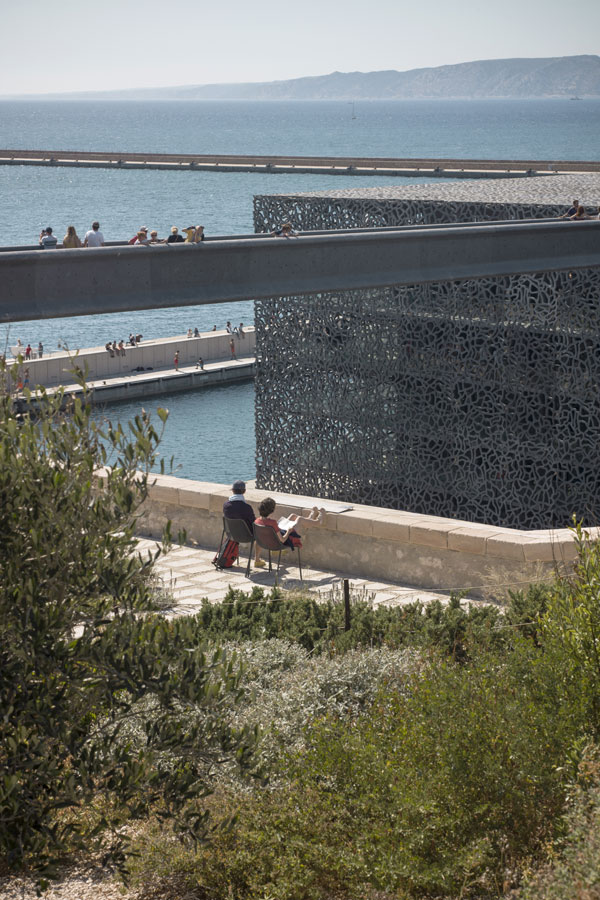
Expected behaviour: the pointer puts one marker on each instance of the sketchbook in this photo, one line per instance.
(284, 523)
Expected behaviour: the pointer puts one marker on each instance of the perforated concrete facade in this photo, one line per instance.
(475, 399)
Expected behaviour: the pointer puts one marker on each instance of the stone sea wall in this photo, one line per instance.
(368, 541)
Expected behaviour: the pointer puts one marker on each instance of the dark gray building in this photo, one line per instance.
(473, 399)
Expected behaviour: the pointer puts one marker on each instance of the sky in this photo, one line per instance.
(60, 46)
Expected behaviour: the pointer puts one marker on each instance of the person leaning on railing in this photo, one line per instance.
(579, 214)
(71, 240)
(47, 239)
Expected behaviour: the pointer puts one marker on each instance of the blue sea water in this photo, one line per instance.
(32, 198)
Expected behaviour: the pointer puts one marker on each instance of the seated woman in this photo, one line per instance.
(580, 214)
(289, 537)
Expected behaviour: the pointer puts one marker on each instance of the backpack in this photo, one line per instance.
(227, 554)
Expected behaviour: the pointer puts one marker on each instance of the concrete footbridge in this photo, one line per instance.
(37, 284)
(324, 165)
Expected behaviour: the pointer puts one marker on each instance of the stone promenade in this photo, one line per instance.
(188, 575)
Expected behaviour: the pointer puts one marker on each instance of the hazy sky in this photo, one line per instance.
(61, 45)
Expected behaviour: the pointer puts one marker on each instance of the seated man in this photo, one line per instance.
(47, 239)
(236, 507)
(571, 211)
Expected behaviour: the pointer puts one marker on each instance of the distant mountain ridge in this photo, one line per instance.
(565, 76)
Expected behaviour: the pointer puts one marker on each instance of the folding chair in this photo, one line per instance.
(239, 530)
(267, 538)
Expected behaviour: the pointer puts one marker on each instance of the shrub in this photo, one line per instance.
(570, 634)
(76, 653)
(285, 689)
(318, 626)
(449, 781)
(574, 873)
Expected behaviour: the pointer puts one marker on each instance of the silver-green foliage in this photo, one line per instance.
(285, 688)
(78, 649)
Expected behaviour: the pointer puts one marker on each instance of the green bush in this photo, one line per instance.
(78, 653)
(447, 782)
(318, 626)
(574, 873)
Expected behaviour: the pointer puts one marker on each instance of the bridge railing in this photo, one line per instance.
(36, 285)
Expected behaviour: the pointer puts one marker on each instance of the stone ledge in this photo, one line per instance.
(397, 527)
(430, 534)
(470, 539)
(389, 530)
(197, 494)
(505, 546)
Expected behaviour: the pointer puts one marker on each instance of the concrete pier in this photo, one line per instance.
(145, 370)
(324, 165)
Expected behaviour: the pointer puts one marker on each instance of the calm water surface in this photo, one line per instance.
(204, 441)
(209, 433)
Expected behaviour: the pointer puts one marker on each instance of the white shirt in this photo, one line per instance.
(94, 238)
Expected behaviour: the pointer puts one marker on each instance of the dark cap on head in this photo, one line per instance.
(238, 487)
(48, 230)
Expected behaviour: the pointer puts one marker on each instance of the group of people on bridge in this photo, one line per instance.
(194, 234)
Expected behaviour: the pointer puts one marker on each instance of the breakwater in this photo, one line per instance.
(145, 370)
(324, 165)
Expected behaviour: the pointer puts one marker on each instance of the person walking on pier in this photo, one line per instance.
(232, 348)
(176, 361)
(94, 237)
(40, 350)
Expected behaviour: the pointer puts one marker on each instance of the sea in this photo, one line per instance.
(210, 433)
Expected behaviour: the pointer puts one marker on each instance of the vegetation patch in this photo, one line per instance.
(261, 749)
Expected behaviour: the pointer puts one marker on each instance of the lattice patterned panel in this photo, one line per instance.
(475, 399)
(317, 213)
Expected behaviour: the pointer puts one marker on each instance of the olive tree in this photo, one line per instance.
(107, 710)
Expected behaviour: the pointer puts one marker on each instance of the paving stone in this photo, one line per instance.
(188, 574)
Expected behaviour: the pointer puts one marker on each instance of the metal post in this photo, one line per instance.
(346, 605)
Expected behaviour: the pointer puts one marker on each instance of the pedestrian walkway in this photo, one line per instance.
(188, 575)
